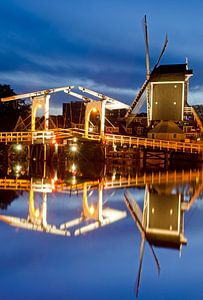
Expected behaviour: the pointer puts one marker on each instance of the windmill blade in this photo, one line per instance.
(162, 52)
(137, 98)
(140, 266)
(133, 207)
(155, 257)
(147, 46)
(141, 91)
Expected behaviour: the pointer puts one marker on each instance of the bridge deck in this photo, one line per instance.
(63, 134)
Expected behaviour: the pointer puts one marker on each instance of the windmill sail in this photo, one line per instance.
(137, 216)
(137, 99)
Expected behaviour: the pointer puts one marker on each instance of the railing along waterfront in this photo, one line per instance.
(50, 185)
(136, 142)
(154, 143)
(27, 137)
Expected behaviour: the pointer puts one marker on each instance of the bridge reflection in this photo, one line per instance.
(92, 215)
(164, 202)
(159, 216)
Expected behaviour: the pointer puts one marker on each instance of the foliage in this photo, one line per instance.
(11, 110)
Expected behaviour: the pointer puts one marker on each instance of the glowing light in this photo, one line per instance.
(174, 102)
(73, 148)
(37, 213)
(156, 102)
(114, 175)
(19, 147)
(18, 168)
(73, 180)
(92, 209)
(75, 139)
(94, 110)
(90, 129)
(73, 168)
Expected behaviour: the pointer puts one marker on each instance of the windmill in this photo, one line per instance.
(137, 216)
(139, 100)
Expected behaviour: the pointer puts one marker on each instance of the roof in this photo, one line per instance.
(171, 69)
(166, 127)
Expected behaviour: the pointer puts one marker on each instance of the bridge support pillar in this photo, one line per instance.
(91, 212)
(99, 107)
(40, 102)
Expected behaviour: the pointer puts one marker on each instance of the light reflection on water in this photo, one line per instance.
(69, 233)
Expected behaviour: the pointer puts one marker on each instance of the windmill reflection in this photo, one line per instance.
(164, 213)
(162, 222)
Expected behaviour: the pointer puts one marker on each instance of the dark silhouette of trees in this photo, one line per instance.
(7, 197)
(11, 110)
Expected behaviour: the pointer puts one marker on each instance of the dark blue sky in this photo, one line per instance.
(97, 44)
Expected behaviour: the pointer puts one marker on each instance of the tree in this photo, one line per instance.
(11, 110)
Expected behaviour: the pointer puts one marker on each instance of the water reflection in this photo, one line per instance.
(159, 216)
(161, 223)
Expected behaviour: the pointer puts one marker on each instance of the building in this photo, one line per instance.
(74, 114)
(164, 219)
(167, 130)
(168, 92)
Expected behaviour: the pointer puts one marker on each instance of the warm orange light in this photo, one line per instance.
(92, 209)
(94, 110)
(37, 213)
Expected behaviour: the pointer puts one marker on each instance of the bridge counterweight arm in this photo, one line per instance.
(35, 94)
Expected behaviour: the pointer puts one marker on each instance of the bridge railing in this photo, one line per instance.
(154, 143)
(27, 136)
(15, 137)
(48, 185)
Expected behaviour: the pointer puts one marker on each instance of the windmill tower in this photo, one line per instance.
(166, 89)
(139, 99)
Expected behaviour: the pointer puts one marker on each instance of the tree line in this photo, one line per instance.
(11, 110)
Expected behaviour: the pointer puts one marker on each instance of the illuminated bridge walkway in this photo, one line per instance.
(108, 182)
(57, 135)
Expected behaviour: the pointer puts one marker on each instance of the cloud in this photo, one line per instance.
(23, 82)
(196, 95)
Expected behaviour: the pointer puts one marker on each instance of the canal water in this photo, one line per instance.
(75, 231)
